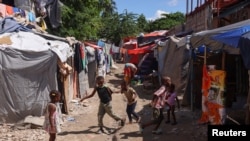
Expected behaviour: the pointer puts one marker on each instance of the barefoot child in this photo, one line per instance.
(51, 122)
(131, 96)
(105, 106)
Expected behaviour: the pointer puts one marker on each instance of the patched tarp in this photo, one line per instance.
(173, 58)
(223, 38)
(26, 78)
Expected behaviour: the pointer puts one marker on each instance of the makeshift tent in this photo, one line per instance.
(156, 33)
(228, 38)
(211, 38)
(243, 44)
(173, 61)
(142, 50)
(232, 36)
(147, 65)
(28, 73)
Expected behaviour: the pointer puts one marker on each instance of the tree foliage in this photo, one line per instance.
(95, 19)
(142, 23)
(81, 19)
(167, 22)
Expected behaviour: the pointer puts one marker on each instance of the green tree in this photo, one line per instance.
(81, 19)
(128, 24)
(110, 28)
(142, 23)
(109, 16)
(108, 8)
(95, 19)
(167, 22)
(117, 26)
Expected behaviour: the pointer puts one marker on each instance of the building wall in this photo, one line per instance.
(198, 21)
(204, 19)
(241, 15)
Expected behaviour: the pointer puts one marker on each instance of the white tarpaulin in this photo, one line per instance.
(29, 41)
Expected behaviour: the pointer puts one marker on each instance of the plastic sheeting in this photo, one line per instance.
(244, 43)
(9, 24)
(31, 42)
(174, 62)
(208, 37)
(26, 79)
(142, 50)
(24, 4)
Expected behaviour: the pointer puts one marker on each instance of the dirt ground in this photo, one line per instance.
(81, 123)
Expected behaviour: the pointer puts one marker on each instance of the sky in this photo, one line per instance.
(151, 9)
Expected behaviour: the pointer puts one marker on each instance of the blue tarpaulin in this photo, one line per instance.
(238, 38)
(232, 37)
(244, 45)
(235, 36)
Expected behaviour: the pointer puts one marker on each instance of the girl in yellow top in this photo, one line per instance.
(131, 96)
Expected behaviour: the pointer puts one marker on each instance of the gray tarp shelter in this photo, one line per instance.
(173, 61)
(26, 79)
(28, 72)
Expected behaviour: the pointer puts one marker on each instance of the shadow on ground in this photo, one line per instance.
(130, 134)
(115, 82)
(91, 130)
(143, 93)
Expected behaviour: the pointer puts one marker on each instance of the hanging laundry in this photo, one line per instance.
(3, 11)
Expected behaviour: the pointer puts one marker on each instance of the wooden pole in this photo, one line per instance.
(223, 60)
(247, 118)
(205, 55)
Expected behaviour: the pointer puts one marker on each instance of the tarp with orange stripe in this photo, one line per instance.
(213, 84)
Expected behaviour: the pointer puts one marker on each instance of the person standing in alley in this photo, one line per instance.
(130, 70)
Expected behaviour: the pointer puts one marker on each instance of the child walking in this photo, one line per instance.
(171, 98)
(158, 104)
(105, 106)
(51, 122)
(131, 96)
